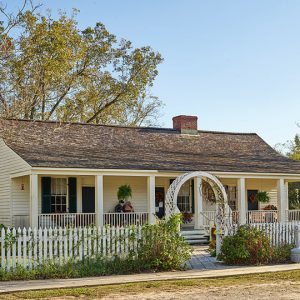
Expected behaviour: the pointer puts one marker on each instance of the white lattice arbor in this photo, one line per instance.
(223, 214)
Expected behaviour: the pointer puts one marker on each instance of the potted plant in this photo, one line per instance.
(263, 197)
(187, 217)
(124, 192)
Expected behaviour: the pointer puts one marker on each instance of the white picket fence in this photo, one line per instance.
(33, 248)
(278, 233)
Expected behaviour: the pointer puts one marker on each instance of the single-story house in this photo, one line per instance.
(54, 174)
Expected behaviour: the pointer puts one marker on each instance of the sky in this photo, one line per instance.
(234, 64)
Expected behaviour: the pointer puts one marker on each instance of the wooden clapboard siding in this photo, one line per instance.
(139, 192)
(20, 199)
(10, 163)
(267, 185)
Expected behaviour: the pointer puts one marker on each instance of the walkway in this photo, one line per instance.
(201, 260)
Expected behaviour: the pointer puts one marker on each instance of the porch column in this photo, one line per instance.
(99, 199)
(242, 201)
(151, 198)
(34, 201)
(198, 202)
(282, 199)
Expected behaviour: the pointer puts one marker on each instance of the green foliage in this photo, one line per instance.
(89, 267)
(282, 253)
(124, 192)
(165, 248)
(294, 195)
(250, 246)
(51, 69)
(290, 148)
(2, 226)
(263, 197)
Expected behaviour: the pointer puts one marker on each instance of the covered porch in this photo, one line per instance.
(55, 198)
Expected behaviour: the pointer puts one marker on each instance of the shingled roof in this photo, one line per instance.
(64, 145)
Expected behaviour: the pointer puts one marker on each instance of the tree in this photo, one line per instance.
(290, 149)
(51, 70)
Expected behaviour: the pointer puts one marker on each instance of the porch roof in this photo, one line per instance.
(75, 145)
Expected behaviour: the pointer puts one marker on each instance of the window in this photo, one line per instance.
(58, 195)
(232, 196)
(184, 199)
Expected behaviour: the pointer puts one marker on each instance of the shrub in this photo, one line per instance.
(165, 249)
(250, 246)
(96, 266)
(282, 253)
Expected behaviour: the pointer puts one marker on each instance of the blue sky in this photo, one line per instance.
(234, 64)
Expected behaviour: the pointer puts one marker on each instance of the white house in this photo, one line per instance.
(55, 174)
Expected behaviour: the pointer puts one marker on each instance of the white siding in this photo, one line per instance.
(266, 185)
(20, 201)
(10, 163)
(139, 192)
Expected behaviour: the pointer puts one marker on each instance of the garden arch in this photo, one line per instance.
(223, 212)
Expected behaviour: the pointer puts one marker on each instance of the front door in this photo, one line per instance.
(88, 199)
(160, 202)
(252, 201)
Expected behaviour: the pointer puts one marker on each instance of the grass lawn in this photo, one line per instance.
(272, 280)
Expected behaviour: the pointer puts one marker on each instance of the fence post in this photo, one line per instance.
(295, 253)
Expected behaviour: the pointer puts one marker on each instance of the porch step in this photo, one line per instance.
(198, 242)
(192, 232)
(195, 237)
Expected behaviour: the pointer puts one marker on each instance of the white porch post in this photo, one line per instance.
(151, 198)
(198, 202)
(99, 199)
(282, 199)
(242, 201)
(34, 201)
(287, 200)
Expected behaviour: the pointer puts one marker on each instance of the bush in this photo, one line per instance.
(89, 267)
(282, 254)
(250, 246)
(165, 248)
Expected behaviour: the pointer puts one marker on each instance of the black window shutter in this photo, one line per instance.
(72, 195)
(46, 195)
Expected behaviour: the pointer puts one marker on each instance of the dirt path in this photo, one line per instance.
(278, 290)
(285, 290)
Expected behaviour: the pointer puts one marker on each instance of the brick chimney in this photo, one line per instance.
(186, 124)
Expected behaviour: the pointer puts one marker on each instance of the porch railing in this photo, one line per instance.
(209, 217)
(262, 216)
(64, 220)
(125, 219)
(257, 216)
(293, 215)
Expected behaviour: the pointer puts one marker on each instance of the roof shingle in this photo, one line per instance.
(75, 145)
